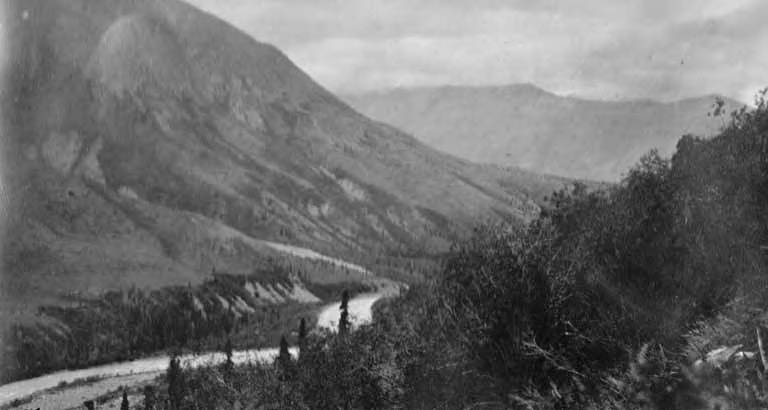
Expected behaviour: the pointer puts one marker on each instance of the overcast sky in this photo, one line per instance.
(662, 49)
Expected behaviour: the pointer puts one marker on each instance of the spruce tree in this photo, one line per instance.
(228, 321)
(176, 384)
(124, 405)
(284, 357)
(302, 332)
(284, 361)
(228, 364)
(149, 398)
(344, 320)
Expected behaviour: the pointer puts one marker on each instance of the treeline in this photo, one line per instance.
(401, 267)
(612, 299)
(124, 325)
(315, 271)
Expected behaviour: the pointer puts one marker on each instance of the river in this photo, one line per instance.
(114, 375)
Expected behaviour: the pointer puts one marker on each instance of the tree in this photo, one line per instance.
(344, 320)
(228, 321)
(176, 384)
(228, 364)
(149, 398)
(284, 361)
(125, 405)
(302, 332)
(284, 357)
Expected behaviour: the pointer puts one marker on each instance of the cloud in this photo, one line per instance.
(722, 54)
(599, 48)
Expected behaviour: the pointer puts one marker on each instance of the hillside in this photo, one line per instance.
(150, 144)
(526, 126)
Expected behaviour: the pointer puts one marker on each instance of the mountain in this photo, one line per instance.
(526, 126)
(149, 144)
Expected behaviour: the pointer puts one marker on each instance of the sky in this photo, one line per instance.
(603, 49)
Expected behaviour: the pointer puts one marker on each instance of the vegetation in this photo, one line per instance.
(149, 398)
(644, 295)
(124, 404)
(176, 383)
(123, 325)
(284, 356)
(303, 332)
(344, 324)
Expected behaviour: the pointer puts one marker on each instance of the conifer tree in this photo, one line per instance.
(228, 320)
(176, 384)
(228, 364)
(124, 405)
(284, 361)
(284, 357)
(344, 320)
(149, 398)
(302, 332)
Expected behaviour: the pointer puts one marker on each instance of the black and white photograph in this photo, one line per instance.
(383, 204)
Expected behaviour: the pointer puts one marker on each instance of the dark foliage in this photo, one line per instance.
(302, 330)
(177, 387)
(149, 398)
(228, 364)
(284, 359)
(124, 404)
(344, 317)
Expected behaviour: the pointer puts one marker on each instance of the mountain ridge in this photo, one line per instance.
(524, 125)
(531, 88)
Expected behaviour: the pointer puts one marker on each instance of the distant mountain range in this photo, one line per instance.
(523, 125)
(150, 144)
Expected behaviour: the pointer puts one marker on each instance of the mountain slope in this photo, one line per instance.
(149, 144)
(526, 126)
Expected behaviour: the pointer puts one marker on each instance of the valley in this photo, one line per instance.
(190, 220)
